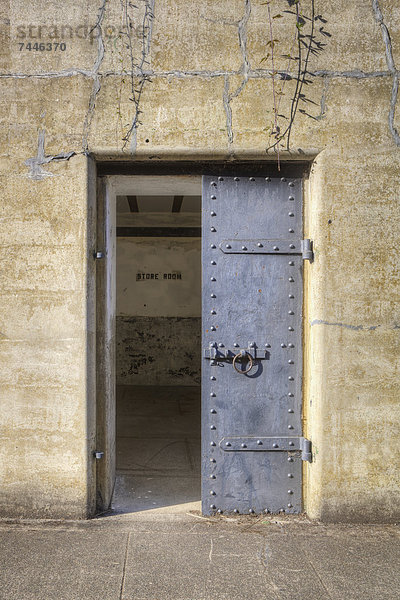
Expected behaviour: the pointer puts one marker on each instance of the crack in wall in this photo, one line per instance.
(95, 76)
(252, 74)
(139, 71)
(35, 163)
(244, 70)
(355, 74)
(228, 109)
(386, 36)
(220, 21)
(353, 327)
(392, 69)
(242, 33)
(324, 95)
(46, 74)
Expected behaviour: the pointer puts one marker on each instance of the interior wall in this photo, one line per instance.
(158, 310)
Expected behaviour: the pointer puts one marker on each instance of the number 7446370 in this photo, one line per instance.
(43, 47)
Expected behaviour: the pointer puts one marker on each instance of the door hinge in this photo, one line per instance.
(267, 444)
(305, 447)
(307, 250)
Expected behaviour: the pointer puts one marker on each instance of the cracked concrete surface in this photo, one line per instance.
(354, 327)
(188, 557)
(323, 101)
(227, 107)
(205, 97)
(36, 171)
(244, 71)
(251, 73)
(392, 69)
(137, 88)
(94, 74)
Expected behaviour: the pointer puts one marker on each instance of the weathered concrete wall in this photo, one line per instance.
(158, 350)
(47, 343)
(210, 96)
(158, 320)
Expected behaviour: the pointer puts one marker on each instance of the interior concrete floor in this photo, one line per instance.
(158, 449)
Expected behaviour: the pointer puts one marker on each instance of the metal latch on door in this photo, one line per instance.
(251, 353)
(217, 351)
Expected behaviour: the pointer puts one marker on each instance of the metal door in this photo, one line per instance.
(252, 317)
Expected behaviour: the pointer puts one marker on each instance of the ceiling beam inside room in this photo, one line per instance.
(133, 204)
(177, 204)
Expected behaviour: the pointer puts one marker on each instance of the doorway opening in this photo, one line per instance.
(158, 341)
(149, 293)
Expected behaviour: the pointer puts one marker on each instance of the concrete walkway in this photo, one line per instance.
(184, 556)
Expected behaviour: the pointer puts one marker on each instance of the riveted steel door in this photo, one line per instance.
(252, 345)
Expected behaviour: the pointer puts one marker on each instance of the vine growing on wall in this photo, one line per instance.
(307, 41)
(135, 27)
(304, 36)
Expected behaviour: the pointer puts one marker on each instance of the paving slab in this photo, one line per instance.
(216, 565)
(355, 563)
(186, 556)
(61, 564)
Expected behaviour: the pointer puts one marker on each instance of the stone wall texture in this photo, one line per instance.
(177, 79)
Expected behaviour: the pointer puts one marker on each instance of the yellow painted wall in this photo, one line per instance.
(210, 96)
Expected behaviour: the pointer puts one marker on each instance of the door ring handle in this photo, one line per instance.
(239, 354)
